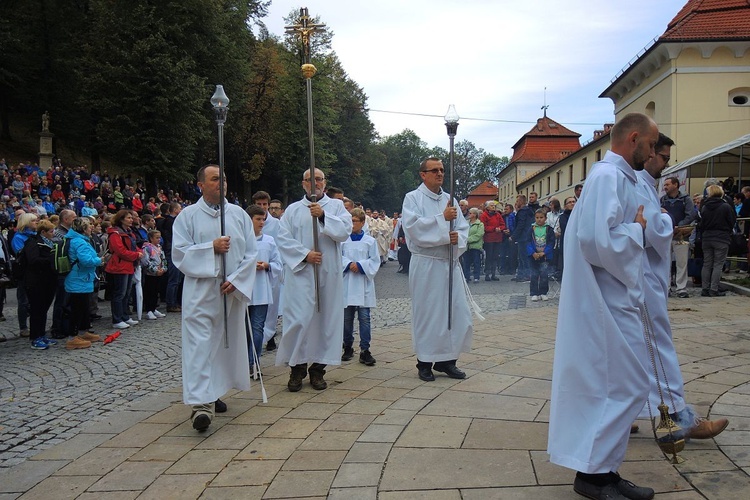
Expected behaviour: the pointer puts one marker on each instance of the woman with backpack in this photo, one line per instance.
(121, 266)
(79, 283)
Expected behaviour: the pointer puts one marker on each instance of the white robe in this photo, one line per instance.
(428, 239)
(599, 384)
(265, 280)
(271, 228)
(656, 272)
(208, 369)
(381, 230)
(310, 336)
(359, 288)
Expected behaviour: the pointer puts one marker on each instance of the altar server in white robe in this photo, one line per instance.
(659, 232)
(271, 228)
(599, 383)
(426, 217)
(209, 369)
(310, 336)
(361, 262)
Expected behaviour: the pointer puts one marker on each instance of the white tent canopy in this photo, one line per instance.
(724, 161)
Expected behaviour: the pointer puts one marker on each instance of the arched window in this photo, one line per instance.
(651, 109)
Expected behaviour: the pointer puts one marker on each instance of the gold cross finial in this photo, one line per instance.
(304, 28)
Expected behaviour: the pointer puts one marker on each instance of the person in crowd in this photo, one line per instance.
(276, 208)
(464, 206)
(174, 276)
(524, 220)
(717, 221)
(209, 369)
(270, 228)
(428, 214)
(313, 334)
(680, 208)
(361, 263)
(121, 267)
(153, 265)
(598, 368)
(26, 227)
(268, 269)
(79, 283)
(61, 310)
(40, 280)
(508, 258)
(540, 251)
(577, 190)
(562, 224)
(494, 228)
(473, 254)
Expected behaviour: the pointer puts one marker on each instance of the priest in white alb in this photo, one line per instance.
(599, 383)
(312, 336)
(209, 369)
(426, 218)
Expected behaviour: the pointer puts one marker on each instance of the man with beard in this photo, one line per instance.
(599, 383)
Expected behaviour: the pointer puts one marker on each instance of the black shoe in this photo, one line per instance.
(95, 316)
(487, 278)
(589, 490)
(705, 293)
(2, 317)
(220, 406)
(450, 370)
(720, 293)
(366, 358)
(201, 422)
(426, 374)
(271, 345)
(316, 379)
(348, 354)
(495, 278)
(633, 492)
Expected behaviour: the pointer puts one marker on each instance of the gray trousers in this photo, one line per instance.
(714, 255)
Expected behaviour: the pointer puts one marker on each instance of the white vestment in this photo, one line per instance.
(599, 384)
(271, 228)
(208, 369)
(428, 239)
(659, 230)
(265, 280)
(381, 230)
(359, 288)
(310, 336)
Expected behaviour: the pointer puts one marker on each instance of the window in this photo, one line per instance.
(570, 175)
(651, 109)
(739, 97)
(584, 164)
(598, 155)
(548, 184)
(557, 181)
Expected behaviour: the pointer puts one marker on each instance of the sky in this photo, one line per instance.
(492, 59)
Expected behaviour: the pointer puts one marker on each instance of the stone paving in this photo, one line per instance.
(107, 422)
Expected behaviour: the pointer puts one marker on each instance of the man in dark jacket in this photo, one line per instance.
(680, 207)
(520, 236)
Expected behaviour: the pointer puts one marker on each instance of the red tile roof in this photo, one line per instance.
(546, 142)
(484, 189)
(710, 20)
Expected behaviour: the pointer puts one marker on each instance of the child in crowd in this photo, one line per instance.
(154, 265)
(361, 262)
(267, 273)
(540, 248)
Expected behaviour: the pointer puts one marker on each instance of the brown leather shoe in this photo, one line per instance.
(707, 429)
(634, 428)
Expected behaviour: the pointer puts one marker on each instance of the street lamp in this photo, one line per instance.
(220, 102)
(451, 125)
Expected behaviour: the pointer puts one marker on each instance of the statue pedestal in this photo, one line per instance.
(45, 149)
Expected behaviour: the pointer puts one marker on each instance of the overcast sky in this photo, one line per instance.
(491, 58)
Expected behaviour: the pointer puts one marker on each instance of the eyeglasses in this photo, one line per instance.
(664, 157)
(435, 171)
(317, 179)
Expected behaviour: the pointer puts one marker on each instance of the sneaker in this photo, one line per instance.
(174, 309)
(366, 358)
(131, 321)
(534, 298)
(544, 297)
(705, 293)
(90, 336)
(151, 315)
(49, 341)
(348, 354)
(24, 332)
(121, 325)
(159, 314)
(201, 422)
(39, 344)
(77, 343)
(476, 280)
(720, 293)
(683, 294)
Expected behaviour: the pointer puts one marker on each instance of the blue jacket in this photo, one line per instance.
(19, 240)
(85, 261)
(549, 244)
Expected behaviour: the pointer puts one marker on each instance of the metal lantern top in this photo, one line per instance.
(451, 120)
(220, 102)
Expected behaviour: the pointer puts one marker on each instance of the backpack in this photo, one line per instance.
(61, 257)
(18, 266)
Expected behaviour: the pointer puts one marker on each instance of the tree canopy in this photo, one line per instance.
(129, 83)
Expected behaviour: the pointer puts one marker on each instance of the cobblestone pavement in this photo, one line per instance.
(377, 432)
(48, 395)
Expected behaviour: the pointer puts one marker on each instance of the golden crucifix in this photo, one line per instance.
(304, 28)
